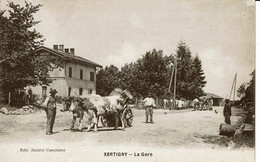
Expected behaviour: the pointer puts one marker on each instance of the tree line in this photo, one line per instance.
(152, 73)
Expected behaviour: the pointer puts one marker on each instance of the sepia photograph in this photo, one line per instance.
(127, 80)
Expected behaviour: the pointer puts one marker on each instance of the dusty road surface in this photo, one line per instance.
(180, 135)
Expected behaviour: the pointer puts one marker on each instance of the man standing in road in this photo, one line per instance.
(227, 112)
(210, 103)
(149, 103)
(196, 104)
(50, 102)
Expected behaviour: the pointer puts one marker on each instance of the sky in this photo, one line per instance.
(117, 32)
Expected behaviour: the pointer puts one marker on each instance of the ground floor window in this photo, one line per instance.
(80, 91)
(90, 91)
(44, 91)
(69, 91)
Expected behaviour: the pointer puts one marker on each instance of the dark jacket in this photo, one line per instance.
(227, 109)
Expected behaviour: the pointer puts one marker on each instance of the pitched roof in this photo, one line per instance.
(69, 56)
(213, 95)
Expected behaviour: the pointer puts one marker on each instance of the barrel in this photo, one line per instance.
(227, 129)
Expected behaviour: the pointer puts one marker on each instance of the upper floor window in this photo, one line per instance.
(91, 76)
(70, 72)
(81, 74)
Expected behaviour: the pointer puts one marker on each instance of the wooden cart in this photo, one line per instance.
(109, 121)
(127, 115)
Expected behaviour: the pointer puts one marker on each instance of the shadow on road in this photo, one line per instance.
(92, 130)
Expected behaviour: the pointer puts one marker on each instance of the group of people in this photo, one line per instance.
(149, 103)
(203, 104)
(208, 103)
(51, 108)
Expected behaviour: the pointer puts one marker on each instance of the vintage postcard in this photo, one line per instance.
(127, 80)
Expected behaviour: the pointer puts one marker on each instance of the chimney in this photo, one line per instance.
(66, 50)
(61, 47)
(72, 51)
(55, 47)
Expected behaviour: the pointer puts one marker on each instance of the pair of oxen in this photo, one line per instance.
(95, 106)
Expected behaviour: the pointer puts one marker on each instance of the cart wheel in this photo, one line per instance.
(128, 117)
(108, 121)
(104, 121)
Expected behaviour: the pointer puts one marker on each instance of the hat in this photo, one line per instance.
(53, 91)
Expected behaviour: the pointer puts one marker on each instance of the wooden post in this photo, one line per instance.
(175, 77)
(9, 98)
(233, 88)
(235, 81)
(169, 90)
(136, 103)
(157, 103)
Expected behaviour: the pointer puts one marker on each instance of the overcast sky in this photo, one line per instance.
(116, 32)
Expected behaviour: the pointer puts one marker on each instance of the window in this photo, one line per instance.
(91, 76)
(80, 91)
(44, 89)
(81, 74)
(69, 91)
(90, 91)
(70, 72)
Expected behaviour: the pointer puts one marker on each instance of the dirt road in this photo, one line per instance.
(177, 134)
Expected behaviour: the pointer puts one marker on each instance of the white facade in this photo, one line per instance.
(72, 78)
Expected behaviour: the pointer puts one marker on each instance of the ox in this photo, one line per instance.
(79, 112)
(96, 106)
(66, 102)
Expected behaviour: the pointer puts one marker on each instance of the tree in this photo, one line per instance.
(190, 75)
(241, 90)
(20, 65)
(127, 77)
(184, 73)
(246, 91)
(250, 90)
(151, 74)
(107, 80)
(198, 77)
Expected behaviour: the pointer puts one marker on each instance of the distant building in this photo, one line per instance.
(216, 99)
(73, 76)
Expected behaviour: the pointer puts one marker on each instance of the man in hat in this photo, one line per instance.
(227, 111)
(149, 103)
(51, 111)
(210, 103)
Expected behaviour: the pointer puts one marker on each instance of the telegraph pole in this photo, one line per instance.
(174, 73)
(169, 90)
(170, 85)
(175, 77)
(233, 88)
(235, 81)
